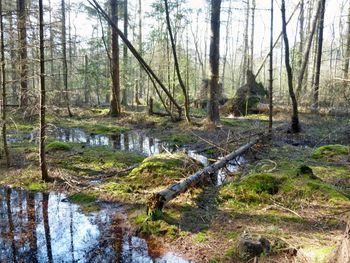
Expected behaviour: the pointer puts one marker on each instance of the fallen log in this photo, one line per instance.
(157, 201)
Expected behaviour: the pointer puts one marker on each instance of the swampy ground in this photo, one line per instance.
(293, 189)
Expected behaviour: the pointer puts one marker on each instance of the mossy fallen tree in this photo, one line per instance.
(158, 200)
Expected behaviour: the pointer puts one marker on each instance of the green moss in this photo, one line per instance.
(97, 160)
(117, 188)
(251, 190)
(58, 146)
(328, 151)
(37, 186)
(163, 169)
(200, 237)
(83, 198)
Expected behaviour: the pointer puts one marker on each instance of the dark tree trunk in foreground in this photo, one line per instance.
(295, 126)
(115, 94)
(214, 57)
(22, 39)
(271, 71)
(43, 166)
(64, 53)
(3, 84)
(319, 55)
(177, 67)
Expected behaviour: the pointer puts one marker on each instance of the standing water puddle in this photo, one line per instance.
(137, 142)
(39, 227)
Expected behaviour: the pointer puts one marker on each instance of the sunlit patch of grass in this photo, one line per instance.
(37, 186)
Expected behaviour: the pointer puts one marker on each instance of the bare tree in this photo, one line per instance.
(295, 126)
(176, 62)
(319, 55)
(64, 61)
(43, 165)
(3, 85)
(115, 109)
(22, 35)
(214, 57)
(271, 71)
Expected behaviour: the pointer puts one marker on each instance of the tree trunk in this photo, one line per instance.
(139, 58)
(319, 55)
(214, 57)
(347, 52)
(271, 71)
(157, 201)
(125, 57)
(251, 57)
(246, 46)
(3, 85)
(43, 166)
(307, 49)
(176, 64)
(295, 127)
(115, 109)
(22, 29)
(64, 54)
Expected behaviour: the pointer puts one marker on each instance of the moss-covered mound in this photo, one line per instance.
(59, 146)
(256, 189)
(330, 151)
(164, 169)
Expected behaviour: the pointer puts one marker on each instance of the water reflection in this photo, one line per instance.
(38, 227)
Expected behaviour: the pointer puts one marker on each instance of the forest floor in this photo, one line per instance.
(294, 189)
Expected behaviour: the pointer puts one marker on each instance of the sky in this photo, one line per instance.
(334, 9)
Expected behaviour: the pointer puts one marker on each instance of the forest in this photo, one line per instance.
(175, 131)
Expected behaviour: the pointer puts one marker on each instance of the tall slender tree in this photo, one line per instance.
(43, 165)
(319, 55)
(22, 39)
(3, 85)
(295, 126)
(347, 49)
(214, 57)
(176, 62)
(64, 55)
(115, 108)
(271, 70)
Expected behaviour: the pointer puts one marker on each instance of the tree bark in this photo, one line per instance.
(22, 29)
(176, 63)
(214, 57)
(3, 85)
(319, 55)
(158, 200)
(43, 165)
(271, 71)
(295, 126)
(125, 57)
(64, 61)
(115, 109)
